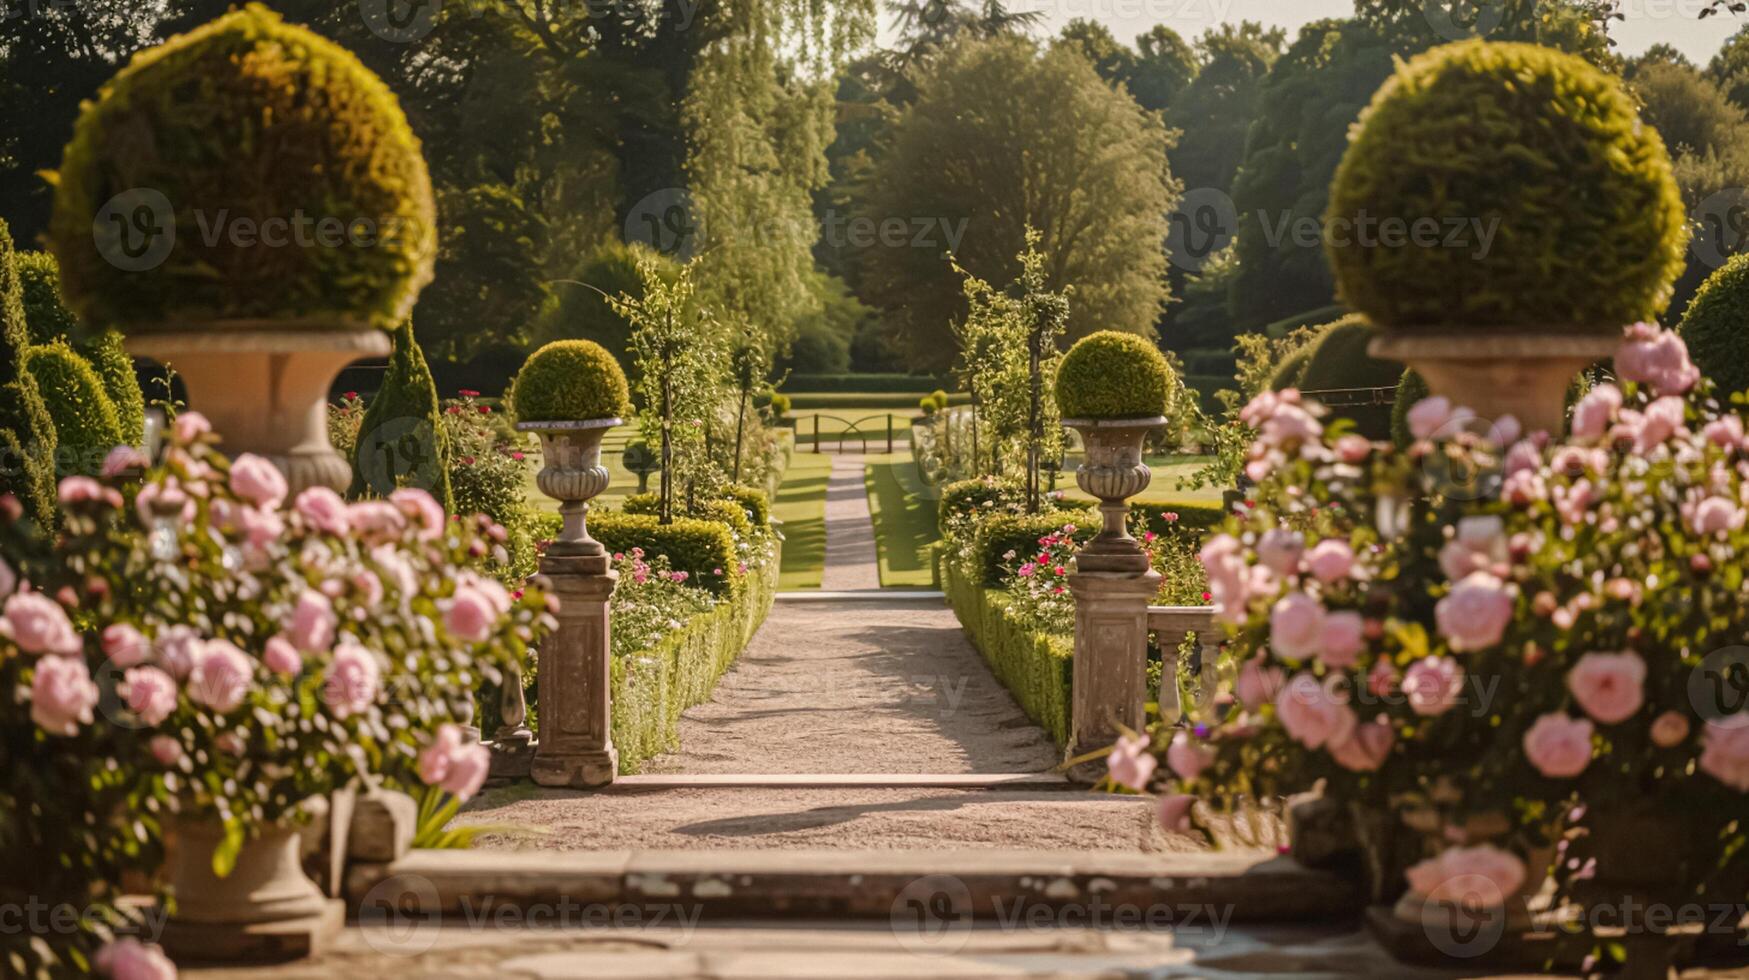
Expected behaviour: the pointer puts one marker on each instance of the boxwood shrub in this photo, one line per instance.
(1338, 359)
(1591, 228)
(1020, 533)
(570, 380)
(729, 513)
(704, 550)
(1716, 325)
(1410, 389)
(1291, 370)
(962, 500)
(86, 426)
(752, 500)
(276, 125)
(1113, 375)
(1037, 668)
(49, 320)
(1152, 515)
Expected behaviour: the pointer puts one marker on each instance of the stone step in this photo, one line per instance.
(653, 782)
(920, 890)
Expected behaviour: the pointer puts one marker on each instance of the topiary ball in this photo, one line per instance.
(1716, 326)
(249, 169)
(568, 381)
(1543, 201)
(1113, 375)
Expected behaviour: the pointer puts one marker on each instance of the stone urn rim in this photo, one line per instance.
(1142, 421)
(569, 425)
(1483, 343)
(255, 336)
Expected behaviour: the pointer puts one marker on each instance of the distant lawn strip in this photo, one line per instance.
(801, 506)
(904, 403)
(855, 429)
(904, 521)
(1164, 488)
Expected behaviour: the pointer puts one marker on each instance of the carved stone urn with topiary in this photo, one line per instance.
(1535, 217)
(1112, 388)
(248, 205)
(570, 393)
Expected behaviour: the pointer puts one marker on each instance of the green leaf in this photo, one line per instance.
(225, 855)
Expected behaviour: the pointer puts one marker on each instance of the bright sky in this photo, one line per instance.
(1648, 21)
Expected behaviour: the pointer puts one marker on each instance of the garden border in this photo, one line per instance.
(1036, 668)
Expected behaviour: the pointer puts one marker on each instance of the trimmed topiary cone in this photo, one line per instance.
(401, 440)
(27, 432)
(86, 424)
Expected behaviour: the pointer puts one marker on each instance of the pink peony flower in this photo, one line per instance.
(470, 615)
(376, 521)
(352, 681)
(1479, 545)
(1657, 358)
(179, 647)
(434, 758)
(62, 695)
(80, 490)
(1609, 686)
(313, 622)
(188, 427)
(1314, 713)
(1258, 685)
(1594, 413)
(1186, 758)
(124, 646)
(1330, 560)
(128, 958)
(221, 677)
(1223, 559)
(1712, 516)
(166, 751)
(1474, 615)
(1130, 763)
(1725, 432)
(1725, 753)
(151, 694)
(1669, 729)
(1174, 812)
(1342, 638)
(324, 510)
(1433, 684)
(1436, 416)
(258, 481)
(1296, 626)
(425, 511)
(1366, 749)
(1353, 449)
(39, 625)
(1476, 877)
(281, 656)
(1381, 680)
(1279, 550)
(123, 459)
(1661, 420)
(1559, 746)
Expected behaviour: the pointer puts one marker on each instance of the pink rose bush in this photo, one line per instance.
(1486, 621)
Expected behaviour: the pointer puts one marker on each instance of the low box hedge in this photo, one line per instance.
(732, 514)
(1020, 533)
(653, 687)
(1203, 517)
(1037, 668)
(704, 550)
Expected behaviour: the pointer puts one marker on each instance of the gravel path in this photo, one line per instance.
(851, 560)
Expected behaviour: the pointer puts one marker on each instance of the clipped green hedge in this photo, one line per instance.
(86, 426)
(1037, 668)
(27, 431)
(1338, 359)
(699, 548)
(1292, 369)
(903, 384)
(753, 500)
(1152, 515)
(1716, 326)
(1113, 375)
(729, 513)
(963, 498)
(651, 689)
(1020, 533)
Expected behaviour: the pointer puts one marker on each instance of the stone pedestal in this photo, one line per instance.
(575, 745)
(1111, 661)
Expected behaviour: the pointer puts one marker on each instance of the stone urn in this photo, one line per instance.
(1114, 471)
(264, 386)
(1499, 372)
(264, 909)
(572, 473)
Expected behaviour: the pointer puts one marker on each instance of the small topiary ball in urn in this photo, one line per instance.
(570, 393)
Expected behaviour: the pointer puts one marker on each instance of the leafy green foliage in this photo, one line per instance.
(44, 310)
(401, 440)
(1002, 537)
(1112, 375)
(1338, 360)
(49, 320)
(584, 310)
(86, 426)
(27, 431)
(1290, 371)
(704, 550)
(1410, 389)
(290, 129)
(570, 380)
(1716, 326)
(115, 368)
(1521, 134)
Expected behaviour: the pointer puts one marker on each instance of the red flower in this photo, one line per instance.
(1206, 597)
(351, 395)
(454, 410)
(469, 393)
(485, 410)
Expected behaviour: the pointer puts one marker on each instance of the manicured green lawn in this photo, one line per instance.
(853, 426)
(904, 521)
(801, 506)
(1168, 470)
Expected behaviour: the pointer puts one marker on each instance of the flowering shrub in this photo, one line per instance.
(651, 601)
(1487, 623)
(345, 417)
(488, 475)
(1040, 583)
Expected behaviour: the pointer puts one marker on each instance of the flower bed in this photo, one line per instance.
(1036, 666)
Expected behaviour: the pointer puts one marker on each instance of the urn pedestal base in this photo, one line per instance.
(1524, 374)
(266, 909)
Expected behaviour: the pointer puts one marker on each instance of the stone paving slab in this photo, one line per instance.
(650, 782)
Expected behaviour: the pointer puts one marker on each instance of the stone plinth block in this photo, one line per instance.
(1111, 660)
(575, 744)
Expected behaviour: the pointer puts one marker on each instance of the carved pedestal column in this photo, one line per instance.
(576, 707)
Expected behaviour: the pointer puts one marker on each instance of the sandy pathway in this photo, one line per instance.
(851, 560)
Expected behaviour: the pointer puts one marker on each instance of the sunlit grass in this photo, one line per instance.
(904, 521)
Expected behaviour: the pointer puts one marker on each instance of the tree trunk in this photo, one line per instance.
(667, 508)
(740, 430)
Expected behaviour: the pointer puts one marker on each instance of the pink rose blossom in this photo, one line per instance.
(1433, 684)
(1725, 753)
(1366, 749)
(281, 656)
(1526, 454)
(351, 684)
(1330, 560)
(1174, 812)
(1258, 685)
(166, 751)
(313, 622)
(1382, 679)
(1353, 449)
(1669, 729)
(1223, 559)
(324, 510)
(39, 625)
(123, 459)
(1475, 877)
(1314, 713)
(1559, 746)
(1712, 516)
(1725, 432)
(469, 615)
(1609, 686)
(258, 481)
(124, 646)
(1524, 488)
(129, 959)
(1296, 626)
(62, 695)
(1474, 615)
(221, 677)
(1478, 546)
(188, 427)
(1594, 413)
(425, 511)
(1130, 763)
(79, 490)
(1342, 638)
(454, 767)
(1186, 758)
(179, 647)
(1657, 358)
(1661, 420)
(1434, 416)
(151, 694)
(1279, 550)
(376, 521)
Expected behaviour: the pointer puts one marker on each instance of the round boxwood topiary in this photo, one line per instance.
(1112, 375)
(86, 426)
(1543, 201)
(249, 169)
(1716, 326)
(570, 380)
